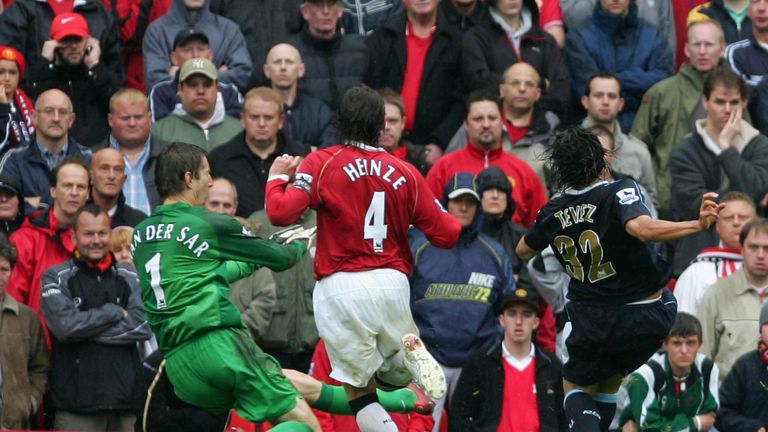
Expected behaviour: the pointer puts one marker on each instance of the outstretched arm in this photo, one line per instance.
(647, 228)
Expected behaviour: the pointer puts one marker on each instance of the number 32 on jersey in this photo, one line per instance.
(589, 243)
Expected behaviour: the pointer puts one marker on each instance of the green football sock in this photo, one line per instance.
(333, 399)
(291, 426)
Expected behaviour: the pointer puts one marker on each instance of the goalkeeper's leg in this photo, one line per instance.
(333, 399)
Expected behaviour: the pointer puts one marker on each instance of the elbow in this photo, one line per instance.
(524, 255)
(60, 335)
(278, 218)
(642, 236)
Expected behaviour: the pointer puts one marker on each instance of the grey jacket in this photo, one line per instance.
(633, 159)
(104, 324)
(292, 330)
(224, 36)
(254, 297)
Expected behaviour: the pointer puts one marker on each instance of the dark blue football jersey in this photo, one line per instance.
(586, 230)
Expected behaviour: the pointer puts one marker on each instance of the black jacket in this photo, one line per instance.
(26, 25)
(125, 215)
(94, 354)
(309, 121)
(264, 24)
(439, 109)
(744, 395)
(479, 395)
(478, 17)
(89, 91)
(236, 162)
(332, 65)
(696, 170)
(487, 53)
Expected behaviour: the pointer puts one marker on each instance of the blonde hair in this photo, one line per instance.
(127, 95)
(266, 94)
(121, 236)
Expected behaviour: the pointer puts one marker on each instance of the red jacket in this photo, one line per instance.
(527, 191)
(40, 244)
(321, 369)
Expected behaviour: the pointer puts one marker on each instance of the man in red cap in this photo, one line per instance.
(71, 61)
(26, 26)
(16, 108)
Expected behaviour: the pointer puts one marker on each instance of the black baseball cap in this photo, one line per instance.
(522, 295)
(9, 185)
(186, 35)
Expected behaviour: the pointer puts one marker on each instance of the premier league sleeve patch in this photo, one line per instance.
(628, 196)
(303, 181)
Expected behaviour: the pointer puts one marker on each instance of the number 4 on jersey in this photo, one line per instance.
(374, 227)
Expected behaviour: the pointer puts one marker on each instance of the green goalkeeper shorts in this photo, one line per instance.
(225, 369)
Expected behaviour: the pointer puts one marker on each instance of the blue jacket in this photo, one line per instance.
(748, 59)
(627, 47)
(27, 167)
(716, 10)
(225, 39)
(457, 294)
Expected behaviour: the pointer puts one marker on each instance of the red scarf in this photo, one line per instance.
(101, 265)
(22, 132)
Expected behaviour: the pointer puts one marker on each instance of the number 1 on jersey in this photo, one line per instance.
(153, 268)
(374, 227)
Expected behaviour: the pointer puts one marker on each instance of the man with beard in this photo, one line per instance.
(71, 61)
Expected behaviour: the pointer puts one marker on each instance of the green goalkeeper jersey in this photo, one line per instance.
(186, 257)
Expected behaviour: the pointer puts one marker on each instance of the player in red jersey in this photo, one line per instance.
(365, 199)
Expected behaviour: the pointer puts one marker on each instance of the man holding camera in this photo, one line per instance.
(71, 61)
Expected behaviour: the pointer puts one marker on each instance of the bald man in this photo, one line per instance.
(526, 126)
(603, 103)
(31, 166)
(107, 179)
(222, 197)
(308, 120)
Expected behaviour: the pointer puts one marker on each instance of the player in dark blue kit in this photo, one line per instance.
(619, 310)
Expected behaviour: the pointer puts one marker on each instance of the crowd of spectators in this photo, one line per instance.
(92, 91)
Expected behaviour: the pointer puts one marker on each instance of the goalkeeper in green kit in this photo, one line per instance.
(186, 257)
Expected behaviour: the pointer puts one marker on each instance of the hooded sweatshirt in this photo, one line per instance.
(224, 37)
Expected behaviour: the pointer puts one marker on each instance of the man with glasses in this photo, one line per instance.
(670, 107)
(31, 166)
(526, 125)
(71, 60)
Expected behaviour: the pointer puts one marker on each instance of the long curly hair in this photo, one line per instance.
(576, 158)
(360, 116)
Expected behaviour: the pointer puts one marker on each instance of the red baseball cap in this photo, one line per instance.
(69, 24)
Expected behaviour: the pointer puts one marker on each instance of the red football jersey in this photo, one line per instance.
(365, 200)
